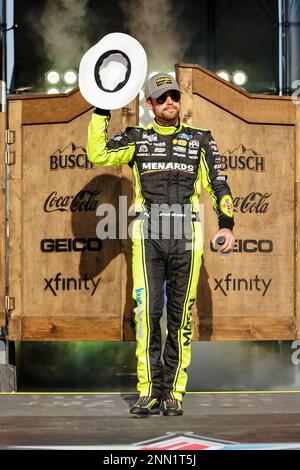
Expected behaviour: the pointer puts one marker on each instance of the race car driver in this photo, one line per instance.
(169, 160)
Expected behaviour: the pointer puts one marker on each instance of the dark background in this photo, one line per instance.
(217, 34)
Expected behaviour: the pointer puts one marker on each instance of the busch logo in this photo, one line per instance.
(242, 158)
(70, 158)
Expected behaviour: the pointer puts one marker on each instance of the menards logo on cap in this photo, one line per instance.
(163, 81)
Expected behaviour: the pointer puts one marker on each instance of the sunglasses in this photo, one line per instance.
(174, 95)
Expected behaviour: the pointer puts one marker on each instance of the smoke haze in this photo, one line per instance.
(62, 27)
(159, 27)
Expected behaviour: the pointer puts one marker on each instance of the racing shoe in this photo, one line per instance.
(145, 405)
(172, 407)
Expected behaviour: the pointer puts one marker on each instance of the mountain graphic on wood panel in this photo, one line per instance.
(70, 149)
(241, 150)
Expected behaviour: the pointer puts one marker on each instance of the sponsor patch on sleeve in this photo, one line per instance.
(226, 205)
(118, 136)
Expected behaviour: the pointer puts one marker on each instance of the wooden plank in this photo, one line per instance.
(297, 219)
(297, 262)
(2, 218)
(249, 107)
(185, 81)
(43, 108)
(87, 283)
(62, 108)
(15, 209)
(237, 327)
(41, 221)
(236, 285)
(227, 288)
(67, 328)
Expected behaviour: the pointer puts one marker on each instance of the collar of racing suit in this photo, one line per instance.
(164, 130)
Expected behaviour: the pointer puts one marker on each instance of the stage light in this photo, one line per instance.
(141, 111)
(70, 77)
(239, 77)
(52, 77)
(223, 74)
(68, 89)
(52, 91)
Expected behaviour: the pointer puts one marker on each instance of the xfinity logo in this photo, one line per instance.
(62, 284)
(253, 284)
(70, 158)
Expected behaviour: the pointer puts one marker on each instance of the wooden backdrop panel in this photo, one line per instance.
(251, 295)
(233, 302)
(61, 293)
(2, 219)
(297, 220)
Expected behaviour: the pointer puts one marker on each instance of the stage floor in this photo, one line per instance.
(92, 419)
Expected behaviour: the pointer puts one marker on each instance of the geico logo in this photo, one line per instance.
(69, 161)
(63, 245)
(251, 246)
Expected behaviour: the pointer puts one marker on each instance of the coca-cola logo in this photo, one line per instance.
(85, 201)
(242, 158)
(254, 202)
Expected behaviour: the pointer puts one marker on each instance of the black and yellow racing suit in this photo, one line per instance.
(169, 164)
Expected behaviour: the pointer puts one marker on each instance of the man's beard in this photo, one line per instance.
(167, 117)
